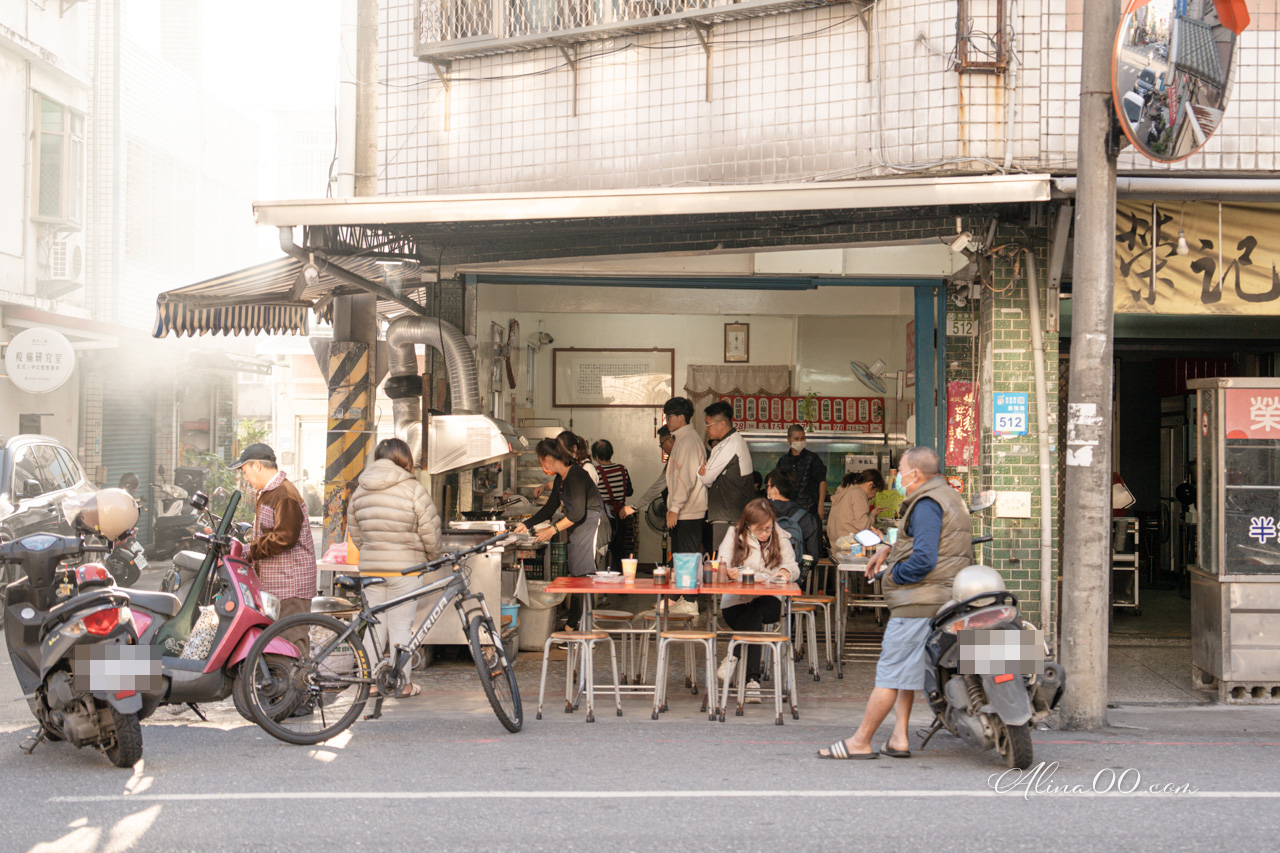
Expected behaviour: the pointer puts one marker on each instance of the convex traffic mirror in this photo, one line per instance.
(1171, 72)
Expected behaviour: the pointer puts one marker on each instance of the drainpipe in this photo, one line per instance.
(1042, 445)
(1011, 108)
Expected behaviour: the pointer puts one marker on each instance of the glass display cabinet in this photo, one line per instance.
(1235, 588)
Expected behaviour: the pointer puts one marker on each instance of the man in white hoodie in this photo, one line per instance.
(686, 495)
(727, 473)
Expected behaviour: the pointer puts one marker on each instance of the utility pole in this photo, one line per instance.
(1087, 526)
(352, 356)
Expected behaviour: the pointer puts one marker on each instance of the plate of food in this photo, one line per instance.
(608, 576)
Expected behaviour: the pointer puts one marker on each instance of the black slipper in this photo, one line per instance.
(895, 753)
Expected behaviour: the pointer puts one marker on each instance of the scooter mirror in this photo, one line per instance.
(985, 500)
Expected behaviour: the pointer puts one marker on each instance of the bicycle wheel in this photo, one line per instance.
(496, 675)
(309, 699)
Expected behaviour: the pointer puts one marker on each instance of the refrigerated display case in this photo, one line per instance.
(1235, 586)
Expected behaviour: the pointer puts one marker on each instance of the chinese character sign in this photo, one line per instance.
(1229, 268)
(1252, 413)
(860, 415)
(39, 360)
(962, 423)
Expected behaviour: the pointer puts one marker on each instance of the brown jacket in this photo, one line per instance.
(850, 512)
(283, 549)
(955, 551)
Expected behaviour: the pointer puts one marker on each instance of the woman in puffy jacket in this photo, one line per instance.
(851, 508)
(393, 521)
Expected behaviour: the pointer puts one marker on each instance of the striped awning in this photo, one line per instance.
(270, 298)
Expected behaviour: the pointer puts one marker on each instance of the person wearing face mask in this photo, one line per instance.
(584, 517)
(727, 473)
(755, 542)
(935, 541)
(810, 471)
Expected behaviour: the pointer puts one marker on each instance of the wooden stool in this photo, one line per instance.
(649, 622)
(584, 641)
(708, 641)
(805, 616)
(778, 645)
(826, 602)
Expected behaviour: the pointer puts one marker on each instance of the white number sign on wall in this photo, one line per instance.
(962, 325)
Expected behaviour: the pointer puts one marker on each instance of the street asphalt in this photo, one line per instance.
(438, 772)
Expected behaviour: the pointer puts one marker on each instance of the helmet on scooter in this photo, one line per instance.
(110, 513)
(975, 580)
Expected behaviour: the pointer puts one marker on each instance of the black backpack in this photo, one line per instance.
(791, 524)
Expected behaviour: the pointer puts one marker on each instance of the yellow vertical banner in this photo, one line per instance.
(350, 431)
(1224, 263)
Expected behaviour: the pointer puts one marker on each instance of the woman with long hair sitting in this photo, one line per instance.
(755, 542)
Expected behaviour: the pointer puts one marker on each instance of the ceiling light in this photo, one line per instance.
(1183, 248)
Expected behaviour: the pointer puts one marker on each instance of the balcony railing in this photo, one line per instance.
(457, 28)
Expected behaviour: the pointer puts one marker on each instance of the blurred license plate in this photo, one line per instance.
(115, 667)
(997, 652)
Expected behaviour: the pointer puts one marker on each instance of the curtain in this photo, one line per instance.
(705, 383)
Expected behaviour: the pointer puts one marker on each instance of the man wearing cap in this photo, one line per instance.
(283, 551)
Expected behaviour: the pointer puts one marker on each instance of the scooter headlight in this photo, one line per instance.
(270, 605)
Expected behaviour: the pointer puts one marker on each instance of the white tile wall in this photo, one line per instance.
(791, 101)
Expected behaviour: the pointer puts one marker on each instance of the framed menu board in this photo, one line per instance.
(595, 378)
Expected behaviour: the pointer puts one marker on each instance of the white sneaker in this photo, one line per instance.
(753, 699)
(725, 671)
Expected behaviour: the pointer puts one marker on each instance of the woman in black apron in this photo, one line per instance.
(584, 518)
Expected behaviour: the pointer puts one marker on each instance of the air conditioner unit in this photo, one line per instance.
(66, 266)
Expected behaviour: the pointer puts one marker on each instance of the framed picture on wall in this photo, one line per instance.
(593, 378)
(737, 342)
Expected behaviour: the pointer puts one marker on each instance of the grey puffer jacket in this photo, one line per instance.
(392, 520)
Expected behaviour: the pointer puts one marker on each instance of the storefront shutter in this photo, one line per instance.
(128, 442)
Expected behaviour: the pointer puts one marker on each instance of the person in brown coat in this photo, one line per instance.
(851, 508)
(393, 521)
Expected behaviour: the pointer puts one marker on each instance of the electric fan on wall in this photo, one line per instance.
(871, 375)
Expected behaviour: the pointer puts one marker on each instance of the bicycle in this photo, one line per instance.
(321, 693)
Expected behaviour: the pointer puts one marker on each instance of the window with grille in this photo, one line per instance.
(59, 163)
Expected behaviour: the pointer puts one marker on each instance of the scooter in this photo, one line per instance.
(176, 521)
(992, 701)
(186, 563)
(78, 659)
(204, 640)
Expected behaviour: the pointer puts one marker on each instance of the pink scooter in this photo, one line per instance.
(227, 601)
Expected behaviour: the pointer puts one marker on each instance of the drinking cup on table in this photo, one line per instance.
(661, 576)
(747, 576)
(629, 569)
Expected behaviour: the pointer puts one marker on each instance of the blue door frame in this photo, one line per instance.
(930, 324)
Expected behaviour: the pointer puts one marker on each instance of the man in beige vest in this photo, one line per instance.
(935, 541)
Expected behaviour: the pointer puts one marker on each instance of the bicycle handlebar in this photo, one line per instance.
(456, 556)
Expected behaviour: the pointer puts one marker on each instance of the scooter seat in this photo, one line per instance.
(157, 602)
(188, 561)
(349, 582)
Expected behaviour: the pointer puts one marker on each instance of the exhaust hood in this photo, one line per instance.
(459, 442)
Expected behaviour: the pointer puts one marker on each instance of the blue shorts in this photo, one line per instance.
(901, 664)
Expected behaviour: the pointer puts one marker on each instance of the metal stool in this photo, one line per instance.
(805, 617)
(826, 602)
(584, 641)
(778, 644)
(707, 639)
(618, 622)
(649, 622)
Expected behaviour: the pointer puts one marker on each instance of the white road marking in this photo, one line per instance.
(632, 795)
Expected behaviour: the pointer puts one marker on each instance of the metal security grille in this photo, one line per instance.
(128, 442)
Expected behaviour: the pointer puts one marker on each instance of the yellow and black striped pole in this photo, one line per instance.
(350, 431)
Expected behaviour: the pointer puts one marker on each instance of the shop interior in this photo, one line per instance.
(1155, 447)
(809, 336)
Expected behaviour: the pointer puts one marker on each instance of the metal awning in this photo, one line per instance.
(272, 297)
(351, 236)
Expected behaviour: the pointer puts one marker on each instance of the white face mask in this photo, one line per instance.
(798, 446)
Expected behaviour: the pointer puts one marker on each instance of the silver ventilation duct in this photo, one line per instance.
(463, 440)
